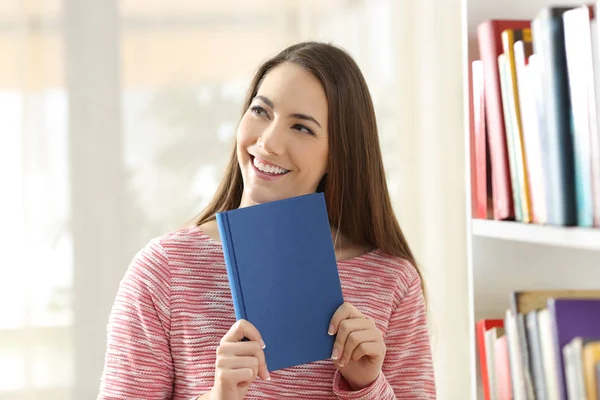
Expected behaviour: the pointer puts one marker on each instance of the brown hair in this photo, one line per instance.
(355, 188)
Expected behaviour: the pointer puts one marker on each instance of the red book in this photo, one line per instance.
(472, 107)
(489, 35)
(483, 326)
(479, 193)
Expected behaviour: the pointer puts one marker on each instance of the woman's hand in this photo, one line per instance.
(359, 349)
(238, 362)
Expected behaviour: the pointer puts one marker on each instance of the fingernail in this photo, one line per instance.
(341, 363)
(263, 343)
(330, 331)
(268, 376)
(335, 354)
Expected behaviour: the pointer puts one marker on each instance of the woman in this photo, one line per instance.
(308, 125)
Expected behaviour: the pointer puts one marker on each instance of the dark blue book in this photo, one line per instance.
(283, 276)
(557, 140)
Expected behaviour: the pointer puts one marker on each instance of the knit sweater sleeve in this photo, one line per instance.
(407, 371)
(138, 363)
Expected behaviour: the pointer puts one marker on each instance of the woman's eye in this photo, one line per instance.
(258, 110)
(303, 128)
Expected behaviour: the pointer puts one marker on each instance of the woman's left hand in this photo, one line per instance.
(359, 349)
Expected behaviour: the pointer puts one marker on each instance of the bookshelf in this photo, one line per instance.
(504, 256)
(569, 238)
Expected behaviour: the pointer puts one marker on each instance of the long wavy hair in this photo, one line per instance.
(355, 188)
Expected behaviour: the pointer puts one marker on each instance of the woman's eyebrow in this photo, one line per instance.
(305, 117)
(265, 100)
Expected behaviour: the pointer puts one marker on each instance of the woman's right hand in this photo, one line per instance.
(239, 362)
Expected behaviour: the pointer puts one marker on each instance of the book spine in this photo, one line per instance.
(548, 41)
(501, 186)
(231, 265)
(509, 36)
(510, 137)
(598, 380)
(578, 50)
(562, 384)
(478, 139)
(483, 359)
(594, 115)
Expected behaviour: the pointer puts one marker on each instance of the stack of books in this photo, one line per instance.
(535, 100)
(547, 346)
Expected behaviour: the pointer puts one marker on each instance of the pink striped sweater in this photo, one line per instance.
(174, 306)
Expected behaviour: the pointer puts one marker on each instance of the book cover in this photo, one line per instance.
(283, 276)
(535, 354)
(472, 163)
(572, 318)
(490, 47)
(594, 114)
(578, 48)
(485, 356)
(549, 43)
(504, 70)
(572, 354)
(527, 83)
(491, 336)
(598, 380)
(520, 384)
(591, 358)
(550, 368)
(534, 75)
(509, 37)
(478, 141)
(503, 378)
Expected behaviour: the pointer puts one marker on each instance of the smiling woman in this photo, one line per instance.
(308, 125)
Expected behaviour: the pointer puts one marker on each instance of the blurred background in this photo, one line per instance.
(117, 117)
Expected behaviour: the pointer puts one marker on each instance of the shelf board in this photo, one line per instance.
(569, 237)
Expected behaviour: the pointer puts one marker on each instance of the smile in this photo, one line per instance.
(268, 168)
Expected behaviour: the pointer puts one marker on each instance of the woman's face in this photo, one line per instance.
(282, 144)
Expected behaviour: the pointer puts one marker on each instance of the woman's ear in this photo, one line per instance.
(322, 184)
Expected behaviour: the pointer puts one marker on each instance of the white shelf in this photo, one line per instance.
(570, 237)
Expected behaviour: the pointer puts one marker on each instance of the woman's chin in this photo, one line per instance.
(252, 197)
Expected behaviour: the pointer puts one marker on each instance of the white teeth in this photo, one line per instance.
(269, 168)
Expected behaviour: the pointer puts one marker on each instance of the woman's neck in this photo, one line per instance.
(343, 246)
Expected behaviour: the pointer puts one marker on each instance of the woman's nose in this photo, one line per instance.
(272, 139)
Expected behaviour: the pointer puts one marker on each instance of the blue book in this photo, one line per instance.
(283, 276)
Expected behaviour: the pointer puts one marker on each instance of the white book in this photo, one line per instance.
(548, 354)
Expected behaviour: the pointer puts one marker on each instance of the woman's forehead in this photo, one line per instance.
(293, 89)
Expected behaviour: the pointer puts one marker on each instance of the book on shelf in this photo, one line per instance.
(490, 47)
(598, 380)
(513, 118)
(480, 200)
(549, 346)
(541, 101)
(488, 331)
(283, 275)
(572, 318)
(591, 359)
(577, 30)
(503, 389)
